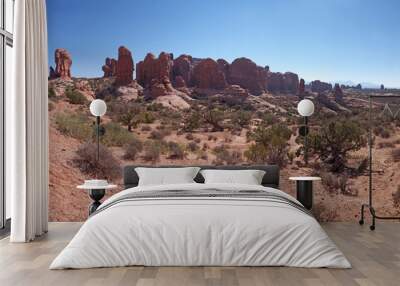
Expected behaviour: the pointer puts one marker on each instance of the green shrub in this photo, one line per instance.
(133, 148)
(146, 117)
(115, 135)
(192, 146)
(192, 122)
(270, 145)
(74, 96)
(241, 118)
(224, 156)
(152, 151)
(107, 167)
(74, 125)
(52, 93)
(175, 151)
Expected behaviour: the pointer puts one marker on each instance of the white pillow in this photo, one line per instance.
(166, 176)
(248, 177)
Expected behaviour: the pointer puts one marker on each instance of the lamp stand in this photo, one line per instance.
(305, 140)
(98, 137)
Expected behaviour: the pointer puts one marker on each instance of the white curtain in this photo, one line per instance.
(27, 124)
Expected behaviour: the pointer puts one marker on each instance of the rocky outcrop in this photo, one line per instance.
(182, 71)
(110, 68)
(338, 93)
(320, 86)
(302, 88)
(125, 67)
(236, 91)
(290, 82)
(247, 74)
(152, 68)
(287, 82)
(206, 74)
(63, 64)
(223, 66)
(159, 88)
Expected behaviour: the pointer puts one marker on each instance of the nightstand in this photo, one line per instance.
(304, 190)
(96, 193)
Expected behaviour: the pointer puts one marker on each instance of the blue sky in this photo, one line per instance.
(330, 40)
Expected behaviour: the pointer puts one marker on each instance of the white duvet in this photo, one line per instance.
(199, 231)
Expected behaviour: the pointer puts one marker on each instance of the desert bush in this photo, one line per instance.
(241, 118)
(335, 183)
(396, 154)
(386, 145)
(189, 136)
(74, 125)
(214, 117)
(52, 93)
(133, 148)
(224, 156)
(335, 140)
(152, 151)
(159, 135)
(146, 128)
(192, 122)
(146, 117)
(175, 151)
(192, 146)
(396, 197)
(106, 167)
(51, 106)
(381, 131)
(271, 145)
(75, 96)
(362, 167)
(205, 147)
(116, 135)
(202, 155)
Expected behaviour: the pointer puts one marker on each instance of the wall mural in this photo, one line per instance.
(184, 110)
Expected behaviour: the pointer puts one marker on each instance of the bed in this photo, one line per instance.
(198, 224)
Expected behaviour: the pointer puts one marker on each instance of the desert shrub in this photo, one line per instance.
(192, 122)
(75, 96)
(386, 145)
(192, 146)
(362, 167)
(133, 148)
(205, 147)
(241, 118)
(175, 151)
(202, 155)
(381, 131)
(155, 107)
(214, 117)
(189, 136)
(335, 140)
(116, 135)
(335, 183)
(106, 167)
(396, 197)
(268, 119)
(146, 117)
(271, 145)
(224, 156)
(159, 135)
(74, 125)
(396, 154)
(152, 151)
(146, 128)
(51, 106)
(52, 93)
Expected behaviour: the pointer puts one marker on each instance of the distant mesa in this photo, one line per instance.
(320, 86)
(63, 63)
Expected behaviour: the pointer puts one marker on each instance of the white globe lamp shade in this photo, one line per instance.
(305, 107)
(98, 107)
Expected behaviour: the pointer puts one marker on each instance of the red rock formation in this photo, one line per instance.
(63, 63)
(235, 90)
(320, 86)
(223, 66)
(290, 82)
(110, 68)
(338, 93)
(182, 70)
(179, 82)
(160, 87)
(125, 68)
(52, 73)
(154, 68)
(206, 74)
(248, 75)
(275, 82)
(302, 88)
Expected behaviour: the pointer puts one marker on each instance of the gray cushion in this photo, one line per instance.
(270, 179)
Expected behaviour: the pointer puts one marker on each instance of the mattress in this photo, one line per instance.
(201, 225)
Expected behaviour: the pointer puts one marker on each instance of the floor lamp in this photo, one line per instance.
(305, 109)
(98, 108)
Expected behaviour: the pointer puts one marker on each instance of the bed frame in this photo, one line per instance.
(271, 177)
